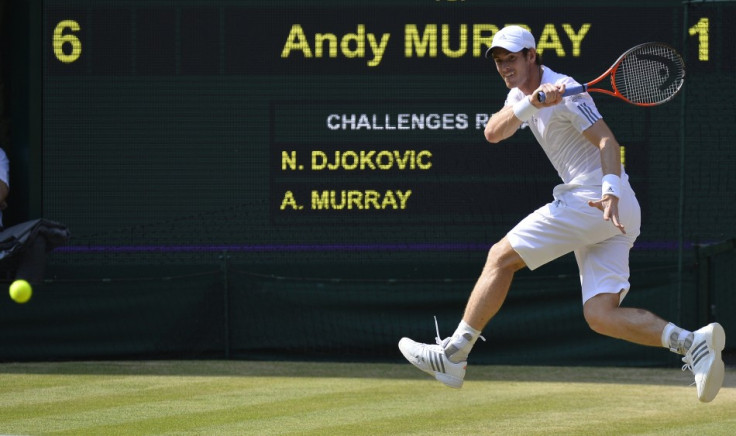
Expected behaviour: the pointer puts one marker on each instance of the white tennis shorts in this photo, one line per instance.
(568, 224)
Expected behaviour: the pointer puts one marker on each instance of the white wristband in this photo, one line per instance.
(524, 109)
(611, 185)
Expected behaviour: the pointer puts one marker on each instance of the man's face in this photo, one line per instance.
(513, 67)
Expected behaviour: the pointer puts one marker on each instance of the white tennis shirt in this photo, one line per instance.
(559, 128)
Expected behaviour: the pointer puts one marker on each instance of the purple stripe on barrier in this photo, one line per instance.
(269, 248)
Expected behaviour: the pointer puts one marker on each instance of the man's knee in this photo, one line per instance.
(599, 312)
(503, 256)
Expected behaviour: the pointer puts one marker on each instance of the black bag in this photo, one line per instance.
(23, 247)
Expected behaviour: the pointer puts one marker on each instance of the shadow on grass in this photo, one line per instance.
(327, 370)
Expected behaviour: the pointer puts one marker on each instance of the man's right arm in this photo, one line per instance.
(503, 124)
(507, 121)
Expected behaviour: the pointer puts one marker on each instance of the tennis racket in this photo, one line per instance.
(646, 75)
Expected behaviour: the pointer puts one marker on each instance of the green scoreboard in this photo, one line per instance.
(278, 128)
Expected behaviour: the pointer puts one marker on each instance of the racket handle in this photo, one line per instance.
(568, 91)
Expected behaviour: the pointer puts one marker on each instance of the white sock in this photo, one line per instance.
(461, 342)
(678, 340)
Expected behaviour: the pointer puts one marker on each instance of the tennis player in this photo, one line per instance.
(595, 214)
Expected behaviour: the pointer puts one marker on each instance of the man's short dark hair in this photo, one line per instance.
(538, 59)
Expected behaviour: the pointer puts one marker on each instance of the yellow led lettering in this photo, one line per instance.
(378, 48)
(576, 37)
(355, 200)
(480, 42)
(366, 160)
(362, 160)
(319, 160)
(359, 39)
(701, 29)
(420, 160)
(333, 200)
(350, 160)
(350, 45)
(347, 200)
(550, 39)
(402, 161)
(403, 198)
(389, 200)
(60, 40)
(426, 41)
(371, 199)
(384, 160)
(289, 201)
(319, 41)
(288, 160)
(296, 40)
(623, 155)
(446, 41)
(320, 200)
(414, 44)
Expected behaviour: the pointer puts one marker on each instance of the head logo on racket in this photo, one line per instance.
(646, 75)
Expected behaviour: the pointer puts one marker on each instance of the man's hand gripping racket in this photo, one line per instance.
(646, 75)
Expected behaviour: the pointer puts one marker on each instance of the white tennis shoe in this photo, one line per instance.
(432, 360)
(704, 360)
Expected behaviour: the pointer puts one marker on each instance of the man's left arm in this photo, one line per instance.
(600, 135)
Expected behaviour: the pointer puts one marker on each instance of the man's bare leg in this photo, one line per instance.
(485, 300)
(447, 361)
(605, 316)
(493, 285)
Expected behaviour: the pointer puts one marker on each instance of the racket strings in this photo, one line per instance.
(650, 74)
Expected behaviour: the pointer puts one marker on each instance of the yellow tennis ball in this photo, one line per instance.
(20, 291)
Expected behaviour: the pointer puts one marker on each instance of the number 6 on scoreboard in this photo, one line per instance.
(646, 75)
(60, 39)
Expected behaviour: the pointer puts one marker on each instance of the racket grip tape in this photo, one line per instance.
(568, 91)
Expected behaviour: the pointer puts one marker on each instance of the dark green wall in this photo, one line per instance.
(178, 251)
